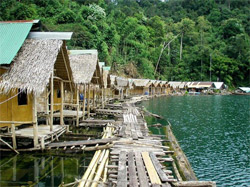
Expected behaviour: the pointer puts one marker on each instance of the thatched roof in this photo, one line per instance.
(174, 84)
(112, 80)
(105, 75)
(121, 82)
(141, 82)
(32, 66)
(83, 67)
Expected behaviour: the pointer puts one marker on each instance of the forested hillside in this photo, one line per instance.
(172, 40)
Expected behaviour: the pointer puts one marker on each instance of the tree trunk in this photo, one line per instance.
(181, 46)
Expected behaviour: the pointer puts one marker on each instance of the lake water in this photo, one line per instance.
(33, 169)
(213, 131)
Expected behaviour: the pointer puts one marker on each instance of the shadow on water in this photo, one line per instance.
(213, 131)
(42, 169)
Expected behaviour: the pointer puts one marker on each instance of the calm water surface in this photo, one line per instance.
(213, 131)
(42, 169)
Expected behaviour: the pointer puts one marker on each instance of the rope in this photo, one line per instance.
(10, 98)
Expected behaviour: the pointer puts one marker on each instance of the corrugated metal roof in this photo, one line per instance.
(12, 36)
(50, 35)
(106, 68)
(80, 52)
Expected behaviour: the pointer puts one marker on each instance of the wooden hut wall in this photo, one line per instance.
(11, 111)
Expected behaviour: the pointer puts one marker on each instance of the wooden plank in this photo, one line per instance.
(122, 170)
(122, 131)
(154, 178)
(143, 180)
(131, 170)
(158, 167)
(82, 142)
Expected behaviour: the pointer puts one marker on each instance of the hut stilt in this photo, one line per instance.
(88, 107)
(51, 100)
(84, 102)
(77, 109)
(34, 119)
(62, 100)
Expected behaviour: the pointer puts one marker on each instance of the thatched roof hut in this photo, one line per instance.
(33, 66)
(84, 64)
(121, 82)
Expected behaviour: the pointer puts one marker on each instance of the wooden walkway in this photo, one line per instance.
(136, 157)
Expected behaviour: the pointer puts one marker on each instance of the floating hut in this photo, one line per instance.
(122, 84)
(141, 87)
(164, 85)
(86, 72)
(40, 60)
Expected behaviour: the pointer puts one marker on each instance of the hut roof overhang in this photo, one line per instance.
(83, 65)
(121, 82)
(50, 35)
(32, 67)
(141, 82)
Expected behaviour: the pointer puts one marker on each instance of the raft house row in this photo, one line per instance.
(43, 84)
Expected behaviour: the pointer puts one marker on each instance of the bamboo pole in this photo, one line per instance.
(62, 100)
(51, 100)
(84, 102)
(93, 171)
(94, 94)
(13, 136)
(47, 105)
(8, 145)
(77, 109)
(102, 97)
(88, 107)
(34, 119)
(100, 169)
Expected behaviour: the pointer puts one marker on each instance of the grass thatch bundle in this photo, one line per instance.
(32, 66)
(83, 67)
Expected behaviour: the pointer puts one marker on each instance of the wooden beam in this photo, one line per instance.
(34, 119)
(51, 100)
(64, 60)
(84, 102)
(62, 100)
(77, 109)
(94, 95)
(88, 107)
(13, 136)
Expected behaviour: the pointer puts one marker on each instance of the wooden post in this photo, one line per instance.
(42, 143)
(77, 109)
(102, 97)
(84, 102)
(34, 119)
(13, 136)
(88, 107)
(51, 100)
(62, 100)
(94, 97)
(47, 105)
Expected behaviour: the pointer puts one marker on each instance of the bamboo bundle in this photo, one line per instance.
(97, 166)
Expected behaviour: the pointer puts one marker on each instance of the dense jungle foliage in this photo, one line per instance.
(168, 40)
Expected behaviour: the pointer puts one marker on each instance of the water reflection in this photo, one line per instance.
(213, 131)
(41, 170)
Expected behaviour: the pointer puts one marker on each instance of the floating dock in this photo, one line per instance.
(136, 158)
